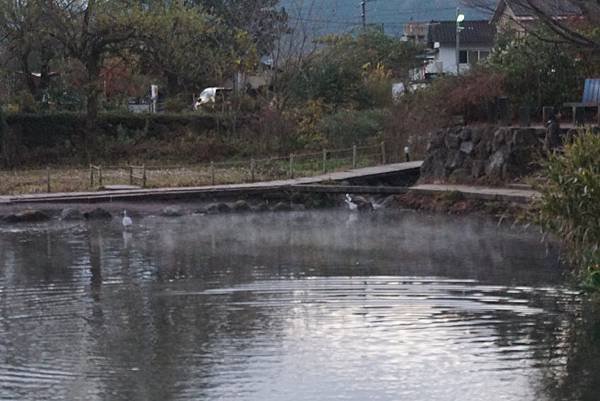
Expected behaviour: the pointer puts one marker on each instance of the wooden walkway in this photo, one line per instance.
(228, 189)
(335, 182)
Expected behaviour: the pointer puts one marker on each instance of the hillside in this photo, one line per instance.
(337, 16)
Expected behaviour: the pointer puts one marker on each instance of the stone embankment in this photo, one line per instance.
(107, 211)
(482, 154)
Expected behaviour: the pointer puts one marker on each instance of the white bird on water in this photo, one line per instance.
(126, 219)
(351, 205)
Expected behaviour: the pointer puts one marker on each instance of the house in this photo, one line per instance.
(476, 43)
(477, 39)
(518, 15)
(416, 32)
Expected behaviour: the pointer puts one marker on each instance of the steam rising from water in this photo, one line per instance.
(296, 306)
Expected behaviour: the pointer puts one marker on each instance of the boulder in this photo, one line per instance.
(467, 147)
(495, 165)
(240, 206)
(500, 137)
(298, 207)
(477, 168)
(282, 207)
(453, 141)
(297, 197)
(97, 214)
(500, 153)
(71, 214)
(27, 216)
(466, 134)
(455, 160)
(434, 164)
(261, 207)
(172, 211)
(476, 136)
(437, 140)
(215, 208)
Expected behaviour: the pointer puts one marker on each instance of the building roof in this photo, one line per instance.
(475, 33)
(529, 8)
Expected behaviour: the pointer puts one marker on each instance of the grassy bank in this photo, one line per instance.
(73, 179)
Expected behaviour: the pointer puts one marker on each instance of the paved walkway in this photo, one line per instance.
(229, 189)
(484, 193)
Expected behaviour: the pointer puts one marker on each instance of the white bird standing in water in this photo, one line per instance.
(351, 205)
(126, 219)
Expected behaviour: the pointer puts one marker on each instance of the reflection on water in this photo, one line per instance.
(298, 306)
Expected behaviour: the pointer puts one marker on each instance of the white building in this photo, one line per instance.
(476, 43)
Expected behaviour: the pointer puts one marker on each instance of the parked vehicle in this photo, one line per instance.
(211, 96)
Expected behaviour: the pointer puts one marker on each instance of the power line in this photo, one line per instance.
(389, 20)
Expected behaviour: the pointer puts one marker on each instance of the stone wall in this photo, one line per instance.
(481, 154)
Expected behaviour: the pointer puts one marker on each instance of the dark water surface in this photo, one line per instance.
(296, 306)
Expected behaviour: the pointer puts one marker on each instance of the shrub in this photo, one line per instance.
(26, 102)
(176, 104)
(539, 72)
(417, 114)
(4, 153)
(58, 137)
(348, 127)
(570, 203)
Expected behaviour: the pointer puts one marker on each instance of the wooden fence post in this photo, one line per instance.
(48, 179)
(91, 176)
(291, 172)
(252, 166)
(353, 156)
(100, 175)
(144, 177)
(383, 158)
(212, 173)
(130, 175)
(324, 161)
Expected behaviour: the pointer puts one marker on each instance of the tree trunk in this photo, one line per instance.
(92, 101)
(46, 56)
(29, 79)
(172, 83)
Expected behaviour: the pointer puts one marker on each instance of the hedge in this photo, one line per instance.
(59, 137)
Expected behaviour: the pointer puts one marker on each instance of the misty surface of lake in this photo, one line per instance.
(292, 306)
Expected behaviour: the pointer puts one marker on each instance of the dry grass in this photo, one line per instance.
(16, 182)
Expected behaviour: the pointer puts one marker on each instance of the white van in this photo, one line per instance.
(211, 95)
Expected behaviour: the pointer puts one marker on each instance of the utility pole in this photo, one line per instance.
(363, 7)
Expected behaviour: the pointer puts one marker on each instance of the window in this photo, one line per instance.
(473, 56)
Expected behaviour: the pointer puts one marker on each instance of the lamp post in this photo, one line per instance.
(459, 19)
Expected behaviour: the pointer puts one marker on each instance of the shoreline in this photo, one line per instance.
(447, 203)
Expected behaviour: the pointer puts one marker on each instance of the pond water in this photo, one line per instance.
(293, 306)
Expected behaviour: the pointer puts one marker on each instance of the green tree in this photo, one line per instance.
(89, 31)
(263, 20)
(4, 139)
(538, 72)
(351, 70)
(570, 203)
(189, 48)
(28, 46)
